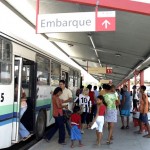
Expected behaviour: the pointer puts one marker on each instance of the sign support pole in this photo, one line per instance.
(37, 13)
(96, 12)
(87, 66)
(135, 79)
(129, 85)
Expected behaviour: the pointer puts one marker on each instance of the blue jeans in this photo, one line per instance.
(59, 124)
(67, 121)
(22, 130)
(68, 127)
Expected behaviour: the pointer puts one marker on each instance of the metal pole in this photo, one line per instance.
(129, 85)
(87, 66)
(37, 13)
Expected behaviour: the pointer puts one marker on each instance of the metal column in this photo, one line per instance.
(129, 85)
(142, 78)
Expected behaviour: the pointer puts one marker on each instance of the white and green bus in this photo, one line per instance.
(38, 74)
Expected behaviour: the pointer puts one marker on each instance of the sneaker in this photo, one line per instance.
(138, 132)
(25, 138)
(122, 127)
(82, 132)
(47, 140)
(63, 143)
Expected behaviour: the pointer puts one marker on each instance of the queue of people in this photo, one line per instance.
(91, 109)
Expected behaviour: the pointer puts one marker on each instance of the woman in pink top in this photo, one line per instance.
(58, 115)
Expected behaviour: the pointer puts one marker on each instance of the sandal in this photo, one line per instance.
(25, 138)
(81, 145)
(111, 138)
(138, 132)
(98, 144)
(122, 127)
(147, 136)
(88, 126)
(72, 146)
(108, 142)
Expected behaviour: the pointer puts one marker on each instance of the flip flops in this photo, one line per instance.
(147, 136)
(25, 138)
(81, 145)
(72, 146)
(138, 132)
(109, 142)
(111, 138)
(123, 127)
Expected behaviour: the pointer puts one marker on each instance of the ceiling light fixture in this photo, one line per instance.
(118, 55)
(70, 45)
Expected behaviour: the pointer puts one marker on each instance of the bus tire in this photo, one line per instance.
(40, 125)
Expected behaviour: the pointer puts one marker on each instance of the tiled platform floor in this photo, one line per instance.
(123, 140)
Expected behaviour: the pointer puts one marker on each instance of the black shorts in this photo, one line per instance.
(83, 117)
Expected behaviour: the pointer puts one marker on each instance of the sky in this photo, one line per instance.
(147, 74)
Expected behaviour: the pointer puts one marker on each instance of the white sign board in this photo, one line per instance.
(97, 70)
(74, 22)
(104, 81)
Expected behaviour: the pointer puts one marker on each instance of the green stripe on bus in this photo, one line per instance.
(6, 109)
(43, 102)
(16, 108)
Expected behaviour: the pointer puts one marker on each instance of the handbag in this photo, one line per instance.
(66, 114)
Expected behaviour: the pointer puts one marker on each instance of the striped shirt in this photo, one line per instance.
(85, 102)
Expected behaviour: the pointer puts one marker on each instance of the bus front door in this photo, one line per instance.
(25, 86)
(17, 96)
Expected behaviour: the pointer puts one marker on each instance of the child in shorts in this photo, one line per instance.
(75, 126)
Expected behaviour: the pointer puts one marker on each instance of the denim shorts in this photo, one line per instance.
(143, 118)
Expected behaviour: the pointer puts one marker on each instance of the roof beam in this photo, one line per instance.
(114, 76)
(115, 65)
(90, 60)
(124, 5)
(84, 59)
(66, 41)
(120, 53)
(119, 73)
(103, 50)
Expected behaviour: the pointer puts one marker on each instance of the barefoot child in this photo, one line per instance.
(99, 119)
(75, 126)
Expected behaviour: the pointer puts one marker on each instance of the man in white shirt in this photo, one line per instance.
(66, 96)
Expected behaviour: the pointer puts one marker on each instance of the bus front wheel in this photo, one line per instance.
(40, 125)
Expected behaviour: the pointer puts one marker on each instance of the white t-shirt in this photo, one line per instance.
(135, 95)
(85, 102)
(116, 94)
(65, 96)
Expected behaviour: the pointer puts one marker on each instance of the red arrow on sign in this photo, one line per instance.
(106, 21)
(137, 6)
